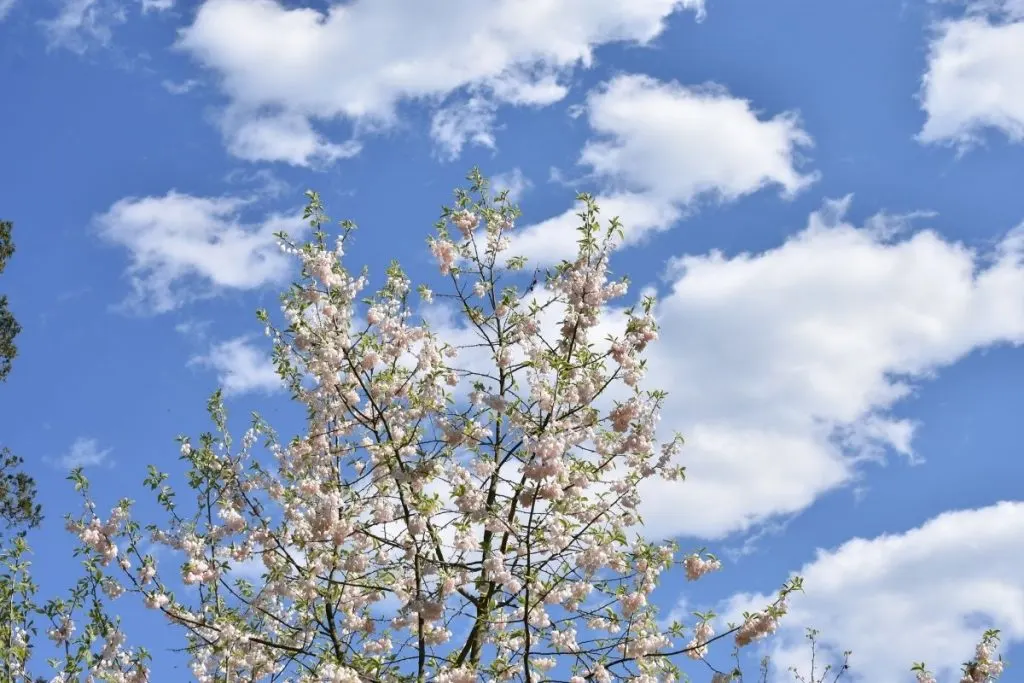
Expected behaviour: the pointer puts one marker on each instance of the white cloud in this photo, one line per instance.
(1011, 9)
(241, 367)
(81, 23)
(925, 594)
(179, 88)
(84, 453)
(282, 136)
(266, 182)
(5, 7)
(472, 121)
(184, 247)
(783, 366)
(660, 147)
(192, 329)
(554, 239)
(514, 181)
(156, 5)
(678, 142)
(359, 59)
(975, 75)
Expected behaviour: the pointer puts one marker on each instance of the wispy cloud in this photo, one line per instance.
(157, 5)
(179, 88)
(263, 182)
(82, 23)
(514, 181)
(193, 329)
(456, 125)
(5, 8)
(84, 452)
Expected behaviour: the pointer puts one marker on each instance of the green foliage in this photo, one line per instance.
(9, 327)
(18, 508)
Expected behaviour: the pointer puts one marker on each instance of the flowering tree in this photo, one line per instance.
(455, 510)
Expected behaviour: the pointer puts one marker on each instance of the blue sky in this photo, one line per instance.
(824, 195)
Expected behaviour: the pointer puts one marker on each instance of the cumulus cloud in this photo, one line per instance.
(358, 60)
(241, 367)
(659, 147)
(84, 452)
(646, 128)
(879, 597)
(783, 366)
(975, 75)
(184, 247)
